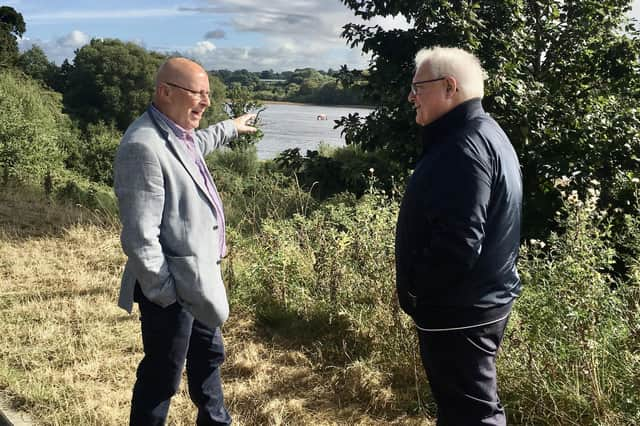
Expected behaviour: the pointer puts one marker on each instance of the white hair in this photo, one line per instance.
(458, 63)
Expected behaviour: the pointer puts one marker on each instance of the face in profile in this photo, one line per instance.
(428, 95)
(186, 96)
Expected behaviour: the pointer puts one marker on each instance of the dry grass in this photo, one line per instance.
(68, 354)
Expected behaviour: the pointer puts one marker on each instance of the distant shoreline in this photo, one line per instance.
(318, 105)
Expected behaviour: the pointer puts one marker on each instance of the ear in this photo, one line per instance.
(162, 90)
(452, 86)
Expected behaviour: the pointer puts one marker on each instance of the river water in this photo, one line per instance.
(288, 126)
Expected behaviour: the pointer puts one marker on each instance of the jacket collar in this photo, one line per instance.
(179, 149)
(451, 121)
(177, 130)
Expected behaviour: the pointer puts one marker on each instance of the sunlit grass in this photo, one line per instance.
(68, 354)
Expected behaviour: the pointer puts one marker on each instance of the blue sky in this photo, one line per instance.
(232, 34)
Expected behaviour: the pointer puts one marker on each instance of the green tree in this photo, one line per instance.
(97, 152)
(243, 77)
(563, 82)
(217, 93)
(12, 26)
(111, 81)
(268, 74)
(60, 76)
(299, 76)
(34, 63)
(34, 134)
(241, 101)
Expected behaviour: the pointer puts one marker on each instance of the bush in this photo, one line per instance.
(570, 355)
(330, 171)
(248, 201)
(98, 152)
(72, 188)
(329, 277)
(240, 162)
(33, 130)
(571, 352)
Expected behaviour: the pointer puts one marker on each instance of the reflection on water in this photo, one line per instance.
(288, 126)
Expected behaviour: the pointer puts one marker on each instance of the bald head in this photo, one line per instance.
(182, 91)
(178, 71)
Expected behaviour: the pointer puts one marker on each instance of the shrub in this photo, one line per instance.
(570, 356)
(571, 352)
(327, 278)
(72, 188)
(33, 130)
(98, 152)
(240, 162)
(330, 171)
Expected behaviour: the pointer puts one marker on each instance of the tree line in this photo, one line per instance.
(305, 85)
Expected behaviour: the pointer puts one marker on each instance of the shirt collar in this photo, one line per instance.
(180, 132)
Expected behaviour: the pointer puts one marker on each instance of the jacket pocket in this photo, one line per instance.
(199, 289)
(184, 271)
(481, 340)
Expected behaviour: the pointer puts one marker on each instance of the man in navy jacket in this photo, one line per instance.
(457, 237)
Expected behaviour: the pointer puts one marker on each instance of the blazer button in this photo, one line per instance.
(215, 227)
(218, 261)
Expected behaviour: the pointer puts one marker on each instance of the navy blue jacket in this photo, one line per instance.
(458, 230)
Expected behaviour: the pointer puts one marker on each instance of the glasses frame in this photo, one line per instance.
(200, 93)
(414, 85)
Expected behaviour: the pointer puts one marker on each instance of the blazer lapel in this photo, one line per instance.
(180, 151)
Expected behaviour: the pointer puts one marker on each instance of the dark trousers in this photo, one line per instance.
(170, 336)
(461, 368)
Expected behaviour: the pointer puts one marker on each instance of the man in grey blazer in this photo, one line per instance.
(173, 236)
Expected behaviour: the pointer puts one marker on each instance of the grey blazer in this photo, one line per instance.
(169, 225)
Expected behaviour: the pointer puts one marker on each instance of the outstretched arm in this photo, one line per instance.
(244, 124)
(222, 133)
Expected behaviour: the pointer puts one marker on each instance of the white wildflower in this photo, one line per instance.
(562, 182)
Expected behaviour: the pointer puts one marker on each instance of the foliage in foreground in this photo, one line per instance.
(571, 352)
(321, 276)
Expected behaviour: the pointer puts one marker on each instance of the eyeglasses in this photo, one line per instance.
(202, 93)
(414, 85)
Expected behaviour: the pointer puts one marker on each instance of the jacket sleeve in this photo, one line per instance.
(215, 136)
(138, 184)
(453, 212)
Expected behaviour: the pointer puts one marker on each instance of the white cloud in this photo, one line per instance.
(75, 39)
(304, 20)
(278, 55)
(294, 34)
(635, 11)
(105, 14)
(202, 48)
(278, 34)
(60, 49)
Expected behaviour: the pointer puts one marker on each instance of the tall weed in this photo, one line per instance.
(569, 356)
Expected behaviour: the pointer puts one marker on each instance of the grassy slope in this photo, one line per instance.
(68, 354)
